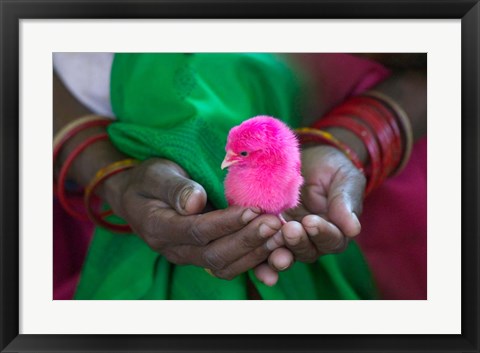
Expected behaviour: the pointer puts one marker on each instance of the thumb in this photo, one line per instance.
(340, 213)
(171, 185)
(345, 204)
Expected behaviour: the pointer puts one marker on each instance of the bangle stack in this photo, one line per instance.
(380, 123)
(61, 192)
(403, 122)
(61, 138)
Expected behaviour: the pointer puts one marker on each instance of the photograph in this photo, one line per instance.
(242, 176)
(239, 176)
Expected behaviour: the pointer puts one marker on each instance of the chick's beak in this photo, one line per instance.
(229, 159)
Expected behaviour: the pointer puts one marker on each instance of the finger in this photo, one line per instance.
(275, 242)
(345, 202)
(169, 183)
(226, 250)
(296, 214)
(245, 263)
(297, 240)
(167, 226)
(340, 213)
(188, 254)
(281, 259)
(266, 275)
(326, 237)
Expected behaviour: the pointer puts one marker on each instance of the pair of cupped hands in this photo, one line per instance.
(170, 213)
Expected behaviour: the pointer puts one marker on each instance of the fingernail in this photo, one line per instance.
(184, 197)
(275, 242)
(265, 231)
(257, 210)
(283, 268)
(248, 215)
(355, 219)
(269, 282)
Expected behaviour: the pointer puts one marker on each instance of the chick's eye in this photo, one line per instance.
(244, 153)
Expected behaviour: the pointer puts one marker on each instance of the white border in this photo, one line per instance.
(439, 315)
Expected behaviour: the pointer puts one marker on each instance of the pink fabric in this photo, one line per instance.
(393, 235)
(70, 242)
(394, 230)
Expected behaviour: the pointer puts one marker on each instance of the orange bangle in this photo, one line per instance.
(308, 134)
(100, 177)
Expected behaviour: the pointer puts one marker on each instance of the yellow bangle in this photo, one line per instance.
(404, 122)
(100, 177)
(209, 271)
(308, 134)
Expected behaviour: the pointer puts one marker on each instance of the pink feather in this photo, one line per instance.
(263, 157)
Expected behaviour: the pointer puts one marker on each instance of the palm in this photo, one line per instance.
(327, 173)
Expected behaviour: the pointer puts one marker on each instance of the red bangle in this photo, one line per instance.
(394, 124)
(368, 139)
(69, 134)
(382, 131)
(64, 171)
(71, 130)
(384, 114)
(100, 177)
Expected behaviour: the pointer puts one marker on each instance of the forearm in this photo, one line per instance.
(65, 110)
(409, 90)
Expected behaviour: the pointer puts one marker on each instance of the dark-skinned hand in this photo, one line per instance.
(327, 218)
(164, 207)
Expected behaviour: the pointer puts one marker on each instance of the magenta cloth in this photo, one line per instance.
(70, 243)
(394, 230)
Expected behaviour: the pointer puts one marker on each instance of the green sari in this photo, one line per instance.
(181, 107)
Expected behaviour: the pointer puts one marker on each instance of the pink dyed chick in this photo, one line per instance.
(263, 157)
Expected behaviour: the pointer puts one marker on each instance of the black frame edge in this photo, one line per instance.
(9, 178)
(230, 9)
(470, 172)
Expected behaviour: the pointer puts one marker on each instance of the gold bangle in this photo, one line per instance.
(60, 135)
(123, 164)
(209, 271)
(317, 135)
(404, 122)
(99, 178)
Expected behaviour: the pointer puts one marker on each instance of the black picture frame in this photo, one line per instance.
(12, 12)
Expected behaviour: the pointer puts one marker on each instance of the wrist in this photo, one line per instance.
(86, 155)
(92, 159)
(105, 173)
(377, 123)
(351, 140)
(113, 189)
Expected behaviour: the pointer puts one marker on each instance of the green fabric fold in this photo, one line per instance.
(181, 107)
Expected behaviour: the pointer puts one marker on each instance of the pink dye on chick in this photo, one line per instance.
(263, 157)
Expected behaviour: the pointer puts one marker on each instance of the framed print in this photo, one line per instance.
(164, 110)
